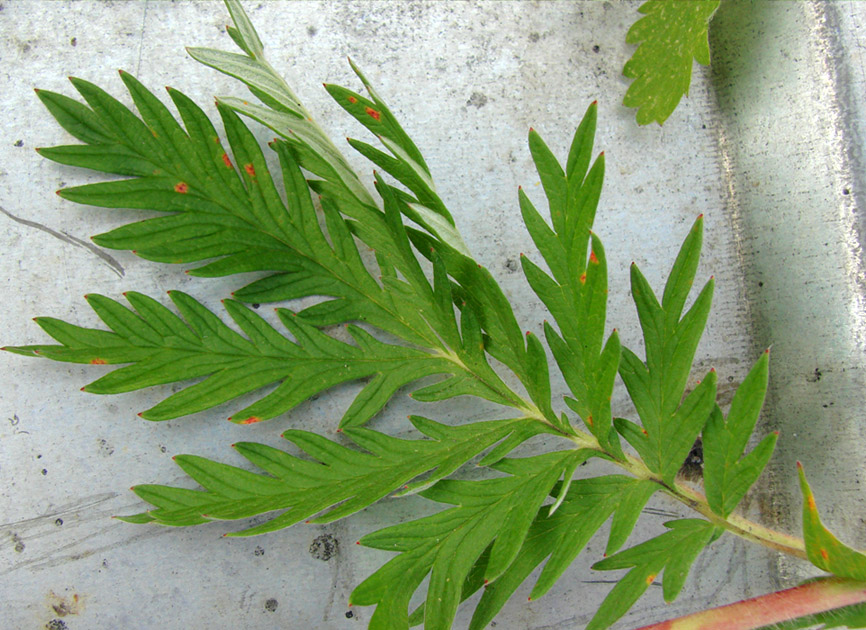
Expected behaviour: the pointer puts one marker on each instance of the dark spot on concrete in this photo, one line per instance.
(19, 143)
(271, 605)
(74, 41)
(845, 191)
(255, 305)
(258, 551)
(162, 449)
(596, 48)
(56, 624)
(312, 30)
(477, 100)
(24, 47)
(58, 522)
(828, 405)
(19, 544)
(760, 284)
(511, 265)
(44, 471)
(349, 614)
(815, 376)
(105, 449)
(39, 456)
(324, 547)
(534, 37)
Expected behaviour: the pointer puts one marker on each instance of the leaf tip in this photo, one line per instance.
(776, 433)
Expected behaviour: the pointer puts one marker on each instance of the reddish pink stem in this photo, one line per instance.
(793, 603)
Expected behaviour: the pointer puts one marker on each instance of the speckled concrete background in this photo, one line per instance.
(768, 146)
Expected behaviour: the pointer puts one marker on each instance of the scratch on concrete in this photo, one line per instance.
(68, 238)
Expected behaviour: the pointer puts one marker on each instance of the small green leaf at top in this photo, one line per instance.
(669, 36)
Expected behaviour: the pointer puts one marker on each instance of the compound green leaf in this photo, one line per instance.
(164, 348)
(673, 552)
(338, 483)
(447, 545)
(728, 475)
(671, 34)
(670, 422)
(559, 536)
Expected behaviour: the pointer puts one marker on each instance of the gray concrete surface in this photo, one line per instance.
(768, 146)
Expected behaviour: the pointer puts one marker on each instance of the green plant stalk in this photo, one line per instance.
(734, 523)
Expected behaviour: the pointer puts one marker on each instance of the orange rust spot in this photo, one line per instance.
(216, 139)
(226, 160)
(251, 420)
(250, 169)
(811, 501)
(353, 100)
(644, 432)
(98, 362)
(650, 578)
(181, 188)
(373, 113)
(593, 258)
(589, 420)
(825, 555)
(583, 278)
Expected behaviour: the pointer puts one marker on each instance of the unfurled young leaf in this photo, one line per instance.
(670, 35)
(669, 422)
(728, 475)
(824, 550)
(673, 552)
(341, 481)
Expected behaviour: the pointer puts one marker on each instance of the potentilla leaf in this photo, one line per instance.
(338, 483)
(727, 474)
(560, 536)
(576, 293)
(164, 348)
(670, 422)
(448, 544)
(671, 34)
(824, 550)
(226, 210)
(673, 552)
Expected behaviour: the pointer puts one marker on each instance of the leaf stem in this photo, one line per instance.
(734, 523)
